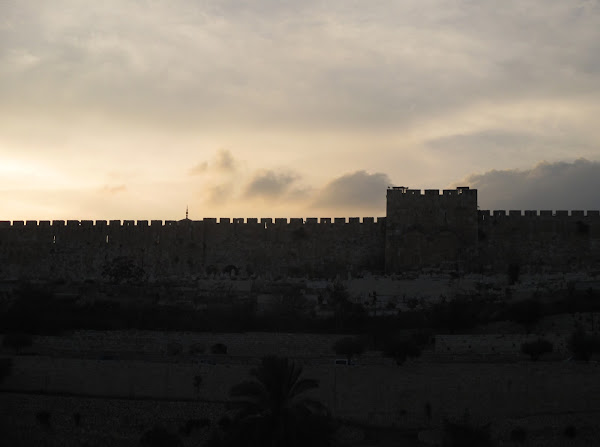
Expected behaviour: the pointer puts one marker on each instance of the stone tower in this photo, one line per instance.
(430, 229)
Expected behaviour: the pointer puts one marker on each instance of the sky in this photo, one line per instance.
(273, 108)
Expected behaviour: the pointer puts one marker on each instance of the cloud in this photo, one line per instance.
(560, 185)
(108, 189)
(225, 161)
(200, 168)
(222, 162)
(219, 194)
(269, 184)
(357, 190)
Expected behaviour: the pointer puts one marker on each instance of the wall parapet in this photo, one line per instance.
(487, 214)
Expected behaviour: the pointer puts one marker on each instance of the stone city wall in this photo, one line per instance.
(422, 230)
(188, 249)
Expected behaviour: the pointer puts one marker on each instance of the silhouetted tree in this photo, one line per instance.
(536, 348)
(346, 313)
(17, 341)
(122, 270)
(513, 272)
(526, 312)
(5, 369)
(583, 345)
(160, 437)
(349, 347)
(271, 410)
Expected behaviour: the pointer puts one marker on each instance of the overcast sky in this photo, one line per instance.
(270, 108)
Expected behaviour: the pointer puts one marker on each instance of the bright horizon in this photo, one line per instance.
(133, 111)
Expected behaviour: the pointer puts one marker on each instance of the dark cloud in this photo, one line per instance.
(358, 190)
(269, 184)
(560, 185)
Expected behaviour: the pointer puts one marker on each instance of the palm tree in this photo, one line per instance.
(273, 411)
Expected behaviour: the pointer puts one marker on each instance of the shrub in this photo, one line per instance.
(349, 347)
(43, 418)
(465, 435)
(194, 424)
(218, 348)
(570, 431)
(518, 434)
(174, 348)
(197, 382)
(402, 348)
(535, 349)
(160, 437)
(17, 341)
(197, 348)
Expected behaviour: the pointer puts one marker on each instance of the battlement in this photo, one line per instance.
(402, 191)
(485, 215)
(86, 224)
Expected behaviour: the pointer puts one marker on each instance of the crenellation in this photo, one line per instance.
(420, 230)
